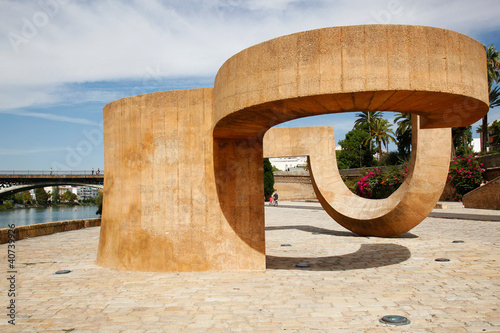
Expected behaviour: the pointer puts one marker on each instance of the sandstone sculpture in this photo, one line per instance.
(389, 217)
(183, 178)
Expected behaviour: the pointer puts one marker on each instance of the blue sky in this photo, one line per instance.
(63, 60)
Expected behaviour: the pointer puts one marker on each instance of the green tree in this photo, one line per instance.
(381, 133)
(26, 197)
(403, 135)
(18, 198)
(98, 202)
(462, 139)
(56, 198)
(368, 118)
(354, 153)
(495, 128)
(68, 196)
(493, 63)
(268, 179)
(41, 196)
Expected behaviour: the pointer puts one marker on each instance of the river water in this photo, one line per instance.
(26, 216)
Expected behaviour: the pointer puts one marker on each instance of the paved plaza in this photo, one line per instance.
(352, 281)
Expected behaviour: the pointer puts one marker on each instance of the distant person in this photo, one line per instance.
(271, 200)
(275, 197)
(98, 171)
(92, 171)
(51, 171)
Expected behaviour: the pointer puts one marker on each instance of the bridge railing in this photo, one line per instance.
(51, 172)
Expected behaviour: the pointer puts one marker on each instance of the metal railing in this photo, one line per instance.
(52, 172)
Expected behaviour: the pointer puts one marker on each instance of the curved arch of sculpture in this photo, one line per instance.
(435, 73)
(183, 177)
(403, 210)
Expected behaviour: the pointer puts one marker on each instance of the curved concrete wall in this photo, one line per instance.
(390, 217)
(435, 73)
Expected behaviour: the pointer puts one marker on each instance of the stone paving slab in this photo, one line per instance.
(352, 281)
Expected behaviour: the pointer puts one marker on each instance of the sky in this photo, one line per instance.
(62, 61)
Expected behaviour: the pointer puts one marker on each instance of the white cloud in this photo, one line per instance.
(53, 117)
(29, 151)
(61, 42)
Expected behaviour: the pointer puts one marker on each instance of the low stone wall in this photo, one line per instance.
(294, 185)
(484, 197)
(449, 192)
(492, 165)
(41, 229)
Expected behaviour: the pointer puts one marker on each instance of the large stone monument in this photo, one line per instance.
(389, 217)
(183, 169)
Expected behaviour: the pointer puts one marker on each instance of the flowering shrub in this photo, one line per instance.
(378, 185)
(466, 174)
(365, 188)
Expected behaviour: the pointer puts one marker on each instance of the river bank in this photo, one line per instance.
(34, 215)
(43, 229)
(9, 205)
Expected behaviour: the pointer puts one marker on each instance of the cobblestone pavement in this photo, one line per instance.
(352, 281)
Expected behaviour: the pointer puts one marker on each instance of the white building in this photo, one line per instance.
(86, 192)
(476, 145)
(82, 192)
(64, 188)
(287, 163)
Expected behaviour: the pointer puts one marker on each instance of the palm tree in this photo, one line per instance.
(367, 118)
(382, 133)
(403, 134)
(480, 130)
(494, 97)
(461, 141)
(404, 122)
(493, 63)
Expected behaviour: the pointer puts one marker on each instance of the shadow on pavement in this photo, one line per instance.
(323, 231)
(368, 256)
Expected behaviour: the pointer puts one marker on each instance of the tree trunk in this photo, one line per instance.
(379, 144)
(484, 134)
(369, 130)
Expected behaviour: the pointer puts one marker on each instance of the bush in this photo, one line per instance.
(98, 202)
(379, 185)
(391, 158)
(268, 179)
(466, 174)
(6, 206)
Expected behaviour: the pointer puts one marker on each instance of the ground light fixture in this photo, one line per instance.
(442, 259)
(64, 271)
(458, 241)
(286, 245)
(394, 320)
(302, 266)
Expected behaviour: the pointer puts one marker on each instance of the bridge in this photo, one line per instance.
(13, 181)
